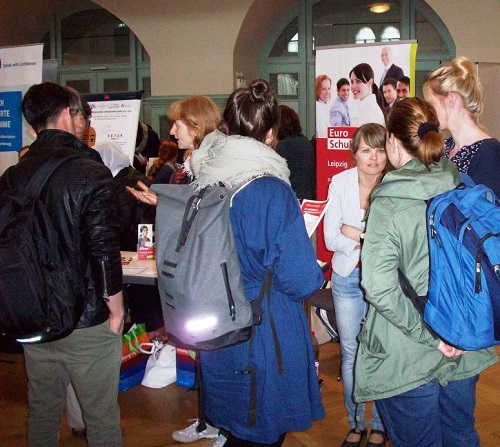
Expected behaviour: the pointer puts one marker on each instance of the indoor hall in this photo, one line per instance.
(177, 49)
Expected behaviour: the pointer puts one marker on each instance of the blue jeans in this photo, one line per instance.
(350, 309)
(432, 415)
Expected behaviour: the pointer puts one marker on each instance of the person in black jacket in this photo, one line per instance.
(80, 200)
(299, 154)
(147, 144)
(143, 301)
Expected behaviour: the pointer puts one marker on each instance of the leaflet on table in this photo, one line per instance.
(313, 211)
(145, 242)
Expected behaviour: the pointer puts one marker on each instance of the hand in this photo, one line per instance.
(116, 324)
(449, 351)
(351, 232)
(145, 195)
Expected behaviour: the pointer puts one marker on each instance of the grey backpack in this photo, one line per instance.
(202, 295)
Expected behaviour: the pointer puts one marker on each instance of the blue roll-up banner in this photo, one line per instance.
(20, 68)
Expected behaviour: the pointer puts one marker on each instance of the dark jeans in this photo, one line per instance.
(432, 415)
(236, 442)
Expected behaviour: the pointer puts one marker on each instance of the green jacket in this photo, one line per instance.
(396, 351)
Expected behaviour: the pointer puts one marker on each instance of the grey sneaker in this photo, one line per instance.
(190, 434)
(219, 442)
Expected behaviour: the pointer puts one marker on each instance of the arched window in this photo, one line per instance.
(96, 51)
(390, 33)
(94, 36)
(293, 45)
(365, 35)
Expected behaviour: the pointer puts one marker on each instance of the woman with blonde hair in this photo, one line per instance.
(457, 95)
(323, 88)
(425, 389)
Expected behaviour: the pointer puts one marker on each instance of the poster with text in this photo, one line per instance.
(20, 68)
(346, 78)
(115, 117)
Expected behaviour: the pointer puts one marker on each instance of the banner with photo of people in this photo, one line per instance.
(355, 85)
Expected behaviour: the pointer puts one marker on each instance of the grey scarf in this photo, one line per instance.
(234, 160)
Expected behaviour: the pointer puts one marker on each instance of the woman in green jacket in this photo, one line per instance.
(424, 388)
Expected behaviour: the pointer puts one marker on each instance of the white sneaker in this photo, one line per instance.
(190, 434)
(219, 442)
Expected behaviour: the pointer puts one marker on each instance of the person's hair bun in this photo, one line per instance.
(259, 88)
(464, 69)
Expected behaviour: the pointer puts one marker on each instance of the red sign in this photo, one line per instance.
(333, 155)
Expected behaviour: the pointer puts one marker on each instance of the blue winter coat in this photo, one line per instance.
(269, 230)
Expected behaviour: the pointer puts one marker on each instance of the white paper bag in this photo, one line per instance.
(161, 365)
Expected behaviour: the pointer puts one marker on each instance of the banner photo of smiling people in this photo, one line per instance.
(355, 85)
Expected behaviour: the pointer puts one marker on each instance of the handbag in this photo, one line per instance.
(161, 366)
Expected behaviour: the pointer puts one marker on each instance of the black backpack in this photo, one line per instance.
(40, 298)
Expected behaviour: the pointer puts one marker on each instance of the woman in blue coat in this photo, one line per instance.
(269, 231)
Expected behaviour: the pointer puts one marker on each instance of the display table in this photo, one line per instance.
(138, 271)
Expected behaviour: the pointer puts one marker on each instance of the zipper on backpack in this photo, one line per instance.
(230, 299)
(477, 285)
(105, 295)
(434, 234)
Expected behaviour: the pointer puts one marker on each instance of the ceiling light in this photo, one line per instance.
(379, 8)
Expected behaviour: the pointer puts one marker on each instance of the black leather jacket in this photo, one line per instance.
(79, 197)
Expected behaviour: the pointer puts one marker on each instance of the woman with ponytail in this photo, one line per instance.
(371, 102)
(424, 388)
(457, 95)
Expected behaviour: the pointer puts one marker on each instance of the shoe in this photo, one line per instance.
(219, 442)
(79, 432)
(191, 434)
(362, 436)
(377, 444)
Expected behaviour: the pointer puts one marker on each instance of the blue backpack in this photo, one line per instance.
(463, 301)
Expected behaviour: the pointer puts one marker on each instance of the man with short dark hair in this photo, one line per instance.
(390, 93)
(403, 88)
(339, 112)
(81, 204)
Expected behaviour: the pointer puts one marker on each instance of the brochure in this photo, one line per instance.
(313, 211)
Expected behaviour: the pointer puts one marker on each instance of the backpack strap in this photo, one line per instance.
(418, 301)
(44, 172)
(257, 311)
(265, 290)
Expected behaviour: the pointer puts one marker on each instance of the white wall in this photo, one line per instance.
(192, 42)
